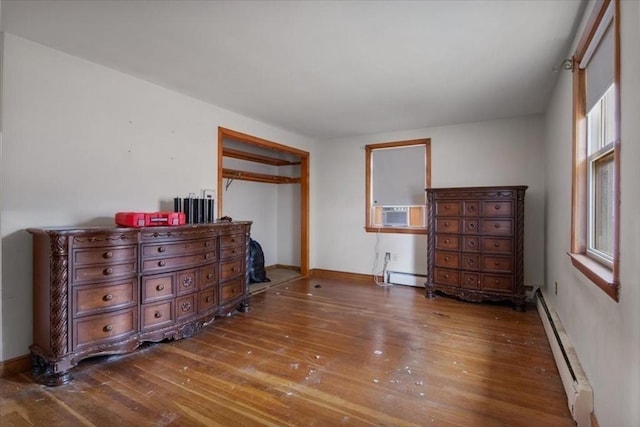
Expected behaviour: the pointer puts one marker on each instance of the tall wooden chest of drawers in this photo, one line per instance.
(106, 290)
(476, 240)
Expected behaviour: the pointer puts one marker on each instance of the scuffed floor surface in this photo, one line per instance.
(319, 352)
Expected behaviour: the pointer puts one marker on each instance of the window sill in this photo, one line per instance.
(597, 273)
(397, 230)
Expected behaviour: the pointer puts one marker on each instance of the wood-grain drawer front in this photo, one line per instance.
(177, 262)
(471, 208)
(105, 255)
(448, 208)
(447, 259)
(470, 262)
(155, 288)
(497, 245)
(93, 299)
(492, 209)
(92, 330)
(186, 306)
(231, 251)
(448, 242)
(208, 276)
(157, 315)
(446, 277)
(106, 239)
(501, 227)
(231, 290)
(232, 240)
(470, 226)
(230, 269)
(206, 300)
(497, 283)
(103, 272)
(497, 263)
(470, 244)
(186, 282)
(471, 280)
(190, 246)
(447, 225)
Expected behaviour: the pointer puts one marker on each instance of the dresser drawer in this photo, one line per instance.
(186, 247)
(105, 255)
(103, 272)
(448, 242)
(206, 300)
(231, 240)
(158, 287)
(448, 208)
(231, 290)
(109, 239)
(447, 259)
(471, 208)
(231, 251)
(93, 299)
(470, 262)
(101, 328)
(207, 276)
(503, 227)
(471, 280)
(497, 245)
(186, 306)
(157, 315)
(230, 269)
(174, 263)
(446, 277)
(494, 209)
(497, 263)
(186, 282)
(447, 225)
(497, 283)
(470, 244)
(470, 226)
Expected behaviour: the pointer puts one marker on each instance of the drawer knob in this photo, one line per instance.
(447, 241)
(108, 328)
(186, 306)
(470, 280)
(157, 314)
(497, 282)
(496, 263)
(233, 251)
(446, 276)
(496, 225)
(447, 223)
(187, 282)
(162, 263)
(447, 207)
(107, 254)
(208, 299)
(496, 244)
(447, 258)
(233, 290)
(472, 208)
(108, 271)
(472, 243)
(233, 240)
(207, 256)
(162, 249)
(210, 276)
(470, 261)
(207, 243)
(160, 287)
(107, 297)
(472, 225)
(497, 207)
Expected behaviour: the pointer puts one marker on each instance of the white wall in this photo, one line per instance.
(501, 152)
(82, 142)
(606, 334)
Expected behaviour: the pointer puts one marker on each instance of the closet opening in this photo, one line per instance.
(268, 183)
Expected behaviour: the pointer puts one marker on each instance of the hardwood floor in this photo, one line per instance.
(319, 352)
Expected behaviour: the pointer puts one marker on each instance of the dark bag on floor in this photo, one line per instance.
(256, 269)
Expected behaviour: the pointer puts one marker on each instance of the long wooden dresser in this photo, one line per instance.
(106, 290)
(475, 246)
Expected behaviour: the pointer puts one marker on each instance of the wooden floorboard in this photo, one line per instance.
(319, 352)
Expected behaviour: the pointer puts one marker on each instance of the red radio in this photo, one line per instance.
(149, 219)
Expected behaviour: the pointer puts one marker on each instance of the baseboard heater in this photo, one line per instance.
(408, 279)
(574, 380)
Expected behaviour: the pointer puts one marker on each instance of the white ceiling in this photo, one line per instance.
(324, 69)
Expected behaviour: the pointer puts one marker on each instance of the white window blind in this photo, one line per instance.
(599, 59)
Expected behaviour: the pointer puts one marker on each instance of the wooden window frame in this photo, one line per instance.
(604, 276)
(369, 227)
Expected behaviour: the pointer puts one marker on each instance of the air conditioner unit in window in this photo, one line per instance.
(395, 216)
